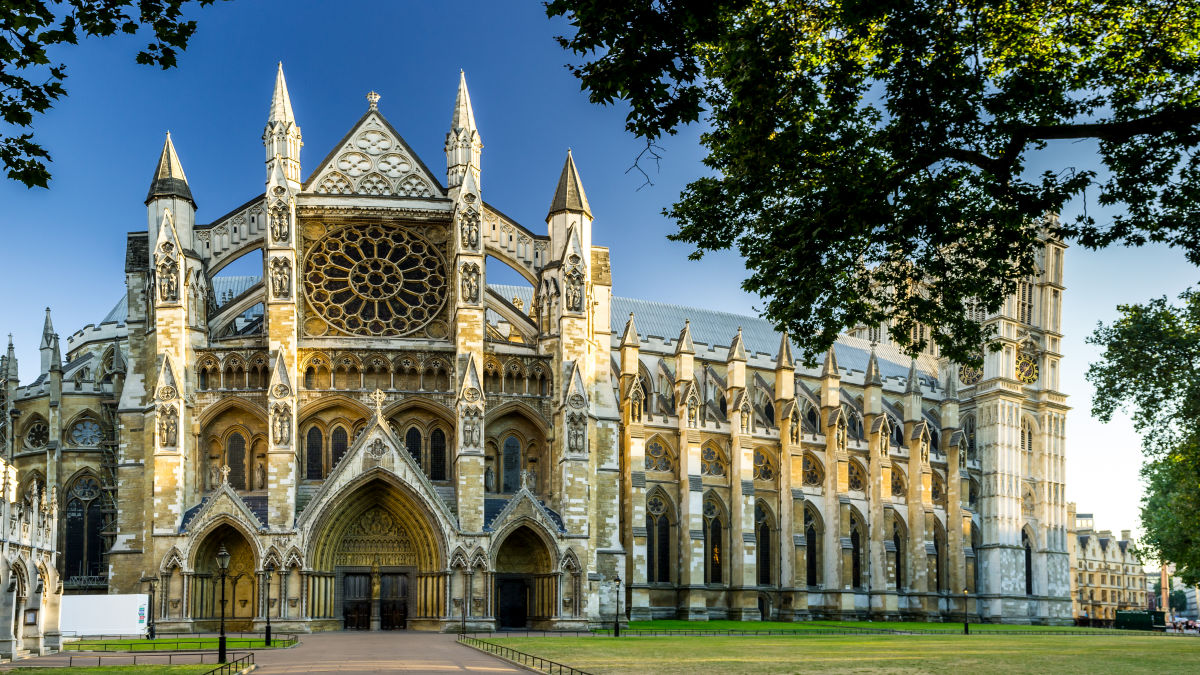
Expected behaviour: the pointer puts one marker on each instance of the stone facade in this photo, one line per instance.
(1106, 575)
(381, 438)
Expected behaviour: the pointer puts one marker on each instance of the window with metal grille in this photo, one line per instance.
(437, 455)
(313, 453)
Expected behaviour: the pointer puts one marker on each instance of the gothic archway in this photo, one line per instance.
(240, 583)
(378, 560)
(526, 583)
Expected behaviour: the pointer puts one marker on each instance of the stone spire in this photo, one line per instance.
(55, 356)
(10, 359)
(47, 345)
(118, 366)
(873, 378)
(464, 114)
(914, 382)
(784, 359)
(463, 143)
(737, 350)
(630, 337)
(830, 369)
(684, 344)
(569, 196)
(169, 179)
(281, 102)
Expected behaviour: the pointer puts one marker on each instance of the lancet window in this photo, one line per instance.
(84, 546)
(314, 453)
(658, 540)
(511, 469)
(714, 534)
(762, 535)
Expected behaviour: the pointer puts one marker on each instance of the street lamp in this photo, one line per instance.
(966, 617)
(617, 614)
(270, 571)
(150, 581)
(223, 565)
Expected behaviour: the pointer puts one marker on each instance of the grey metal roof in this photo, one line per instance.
(230, 286)
(717, 329)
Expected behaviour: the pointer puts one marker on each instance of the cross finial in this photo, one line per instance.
(378, 397)
(225, 474)
(373, 100)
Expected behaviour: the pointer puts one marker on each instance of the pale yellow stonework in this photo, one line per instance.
(380, 438)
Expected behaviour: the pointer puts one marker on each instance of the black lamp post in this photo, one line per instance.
(270, 571)
(150, 581)
(617, 614)
(966, 617)
(223, 565)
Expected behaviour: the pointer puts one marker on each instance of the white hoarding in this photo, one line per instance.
(104, 614)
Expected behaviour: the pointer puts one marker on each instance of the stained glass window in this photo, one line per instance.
(711, 462)
(657, 457)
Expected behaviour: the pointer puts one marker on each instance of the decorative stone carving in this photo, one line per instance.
(260, 473)
(281, 423)
(280, 230)
(489, 480)
(576, 432)
(281, 391)
(167, 271)
(472, 421)
(168, 426)
(281, 277)
(376, 449)
(470, 230)
(470, 283)
(574, 291)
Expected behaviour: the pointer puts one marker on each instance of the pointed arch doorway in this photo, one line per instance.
(525, 582)
(378, 561)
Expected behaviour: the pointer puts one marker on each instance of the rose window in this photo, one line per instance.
(38, 436)
(375, 281)
(86, 432)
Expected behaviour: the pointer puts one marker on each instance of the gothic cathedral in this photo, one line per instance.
(379, 438)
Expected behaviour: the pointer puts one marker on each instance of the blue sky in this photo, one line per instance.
(64, 247)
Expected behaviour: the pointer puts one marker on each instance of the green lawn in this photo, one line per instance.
(123, 669)
(866, 626)
(167, 644)
(996, 653)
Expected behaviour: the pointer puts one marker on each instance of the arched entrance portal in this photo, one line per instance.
(241, 582)
(378, 562)
(526, 586)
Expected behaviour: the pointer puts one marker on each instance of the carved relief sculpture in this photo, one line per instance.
(167, 272)
(470, 283)
(282, 424)
(281, 277)
(470, 231)
(574, 291)
(168, 426)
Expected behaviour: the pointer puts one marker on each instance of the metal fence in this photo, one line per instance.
(174, 644)
(233, 666)
(150, 658)
(527, 660)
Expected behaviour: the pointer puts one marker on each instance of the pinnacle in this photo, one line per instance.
(464, 114)
(914, 384)
(872, 377)
(48, 332)
(784, 358)
(830, 369)
(630, 338)
(281, 103)
(569, 196)
(169, 179)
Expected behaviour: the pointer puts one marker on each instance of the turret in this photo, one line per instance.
(685, 355)
(47, 345)
(629, 348)
(463, 143)
(569, 210)
(281, 138)
(169, 191)
(735, 364)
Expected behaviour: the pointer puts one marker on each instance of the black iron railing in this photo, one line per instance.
(527, 660)
(234, 665)
(150, 658)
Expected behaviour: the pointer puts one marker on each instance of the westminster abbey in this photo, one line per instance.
(381, 439)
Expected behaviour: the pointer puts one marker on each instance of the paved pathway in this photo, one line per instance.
(359, 652)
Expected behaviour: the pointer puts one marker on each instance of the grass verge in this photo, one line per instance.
(131, 670)
(953, 655)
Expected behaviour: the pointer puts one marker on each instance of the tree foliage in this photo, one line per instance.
(869, 158)
(1149, 368)
(30, 82)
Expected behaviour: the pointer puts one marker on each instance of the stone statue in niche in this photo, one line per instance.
(168, 275)
(470, 282)
(214, 474)
(279, 223)
(281, 277)
(168, 426)
(575, 433)
(489, 480)
(470, 231)
(260, 474)
(282, 424)
(693, 412)
(574, 292)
